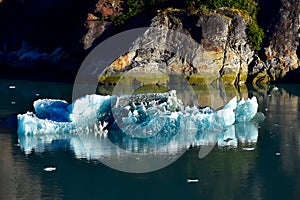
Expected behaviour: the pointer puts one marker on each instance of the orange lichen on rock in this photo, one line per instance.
(123, 61)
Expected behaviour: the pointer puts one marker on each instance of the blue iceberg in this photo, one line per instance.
(134, 123)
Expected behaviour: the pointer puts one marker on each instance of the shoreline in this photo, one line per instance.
(57, 73)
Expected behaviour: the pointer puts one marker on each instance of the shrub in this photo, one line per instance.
(132, 8)
(255, 35)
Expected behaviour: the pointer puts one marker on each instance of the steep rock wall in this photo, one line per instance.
(218, 48)
(281, 53)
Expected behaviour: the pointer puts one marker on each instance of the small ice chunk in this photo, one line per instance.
(248, 148)
(275, 88)
(49, 169)
(278, 154)
(192, 180)
(12, 87)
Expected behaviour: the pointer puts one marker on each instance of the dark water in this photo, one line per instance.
(270, 171)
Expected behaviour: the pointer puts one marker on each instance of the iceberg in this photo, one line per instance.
(136, 115)
(94, 125)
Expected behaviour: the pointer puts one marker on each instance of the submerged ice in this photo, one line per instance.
(136, 123)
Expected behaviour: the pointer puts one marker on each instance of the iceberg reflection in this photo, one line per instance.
(92, 146)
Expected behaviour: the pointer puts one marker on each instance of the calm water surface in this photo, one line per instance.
(270, 171)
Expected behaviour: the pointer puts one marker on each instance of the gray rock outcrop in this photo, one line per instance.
(220, 53)
(96, 22)
(281, 55)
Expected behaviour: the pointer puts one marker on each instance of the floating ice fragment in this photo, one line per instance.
(275, 88)
(12, 87)
(89, 110)
(192, 180)
(49, 169)
(278, 154)
(158, 120)
(248, 148)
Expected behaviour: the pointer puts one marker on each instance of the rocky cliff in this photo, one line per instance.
(213, 45)
(61, 33)
(281, 52)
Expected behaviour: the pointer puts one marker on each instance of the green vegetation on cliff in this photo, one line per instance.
(251, 6)
(255, 35)
(247, 8)
(132, 8)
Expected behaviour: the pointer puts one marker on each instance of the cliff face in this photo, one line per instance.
(281, 53)
(96, 27)
(218, 48)
(63, 32)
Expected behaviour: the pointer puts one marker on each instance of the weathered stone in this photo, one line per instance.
(223, 49)
(238, 53)
(94, 30)
(122, 62)
(109, 8)
(214, 32)
(167, 47)
(94, 23)
(281, 54)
